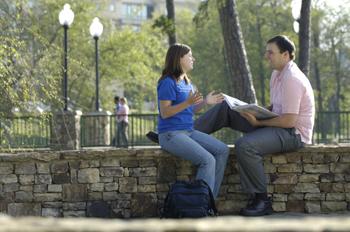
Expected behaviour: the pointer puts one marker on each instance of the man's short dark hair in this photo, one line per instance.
(284, 44)
(116, 98)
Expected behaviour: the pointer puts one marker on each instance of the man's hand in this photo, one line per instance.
(212, 98)
(250, 118)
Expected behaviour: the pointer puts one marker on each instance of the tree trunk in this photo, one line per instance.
(321, 116)
(261, 51)
(236, 55)
(171, 16)
(304, 36)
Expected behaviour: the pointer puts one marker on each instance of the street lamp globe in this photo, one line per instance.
(96, 28)
(66, 16)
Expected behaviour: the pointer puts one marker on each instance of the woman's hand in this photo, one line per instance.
(212, 98)
(195, 98)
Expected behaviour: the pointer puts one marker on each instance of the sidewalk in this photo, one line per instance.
(276, 222)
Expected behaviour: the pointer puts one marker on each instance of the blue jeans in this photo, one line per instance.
(206, 152)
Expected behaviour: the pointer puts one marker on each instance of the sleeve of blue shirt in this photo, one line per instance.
(167, 90)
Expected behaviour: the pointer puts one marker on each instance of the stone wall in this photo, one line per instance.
(134, 182)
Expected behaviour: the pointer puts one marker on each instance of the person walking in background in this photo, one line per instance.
(122, 120)
(178, 100)
(116, 108)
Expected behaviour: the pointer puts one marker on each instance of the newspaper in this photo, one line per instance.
(241, 106)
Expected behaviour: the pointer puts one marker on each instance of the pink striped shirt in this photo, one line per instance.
(291, 93)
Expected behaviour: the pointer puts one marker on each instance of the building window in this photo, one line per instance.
(135, 11)
(111, 7)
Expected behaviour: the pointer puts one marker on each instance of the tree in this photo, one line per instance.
(171, 17)
(235, 53)
(304, 36)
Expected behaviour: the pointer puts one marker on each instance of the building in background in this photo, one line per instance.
(134, 12)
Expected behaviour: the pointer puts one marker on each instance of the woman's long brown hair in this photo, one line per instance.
(172, 65)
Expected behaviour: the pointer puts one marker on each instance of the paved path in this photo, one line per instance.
(287, 222)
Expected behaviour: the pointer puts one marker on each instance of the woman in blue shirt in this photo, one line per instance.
(177, 102)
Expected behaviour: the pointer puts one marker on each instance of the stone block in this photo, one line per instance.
(109, 196)
(43, 179)
(312, 207)
(110, 163)
(137, 172)
(147, 180)
(284, 188)
(6, 168)
(54, 188)
(127, 185)
(40, 188)
(315, 196)
(89, 175)
(296, 196)
(94, 196)
(286, 179)
(146, 188)
(295, 168)
(144, 205)
(24, 209)
(51, 212)
(74, 192)
(147, 163)
(9, 178)
(47, 197)
(111, 186)
(43, 168)
(61, 178)
(309, 178)
(21, 196)
(68, 214)
(279, 206)
(26, 179)
(340, 168)
(333, 206)
(166, 171)
(25, 168)
(74, 206)
(96, 187)
(335, 196)
(316, 168)
(306, 188)
(129, 163)
(295, 206)
(11, 187)
(279, 159)
(112, 171)
(26, 188)
(280, 197)
(60, 167)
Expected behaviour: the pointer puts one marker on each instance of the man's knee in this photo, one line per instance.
(242, 147)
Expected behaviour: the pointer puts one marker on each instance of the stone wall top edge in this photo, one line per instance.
(88, 154)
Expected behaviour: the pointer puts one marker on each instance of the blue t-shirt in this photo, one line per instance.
(169, 90)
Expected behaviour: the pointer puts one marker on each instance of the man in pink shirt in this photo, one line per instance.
(292, 99)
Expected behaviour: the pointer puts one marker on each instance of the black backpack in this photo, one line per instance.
(189, 199)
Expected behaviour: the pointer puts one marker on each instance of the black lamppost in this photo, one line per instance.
(66, 18)
(96, 29)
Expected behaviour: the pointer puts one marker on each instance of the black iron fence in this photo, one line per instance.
(25, 132)
(100, 130)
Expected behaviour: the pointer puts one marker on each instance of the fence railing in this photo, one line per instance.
(25, 132)
(100, 130)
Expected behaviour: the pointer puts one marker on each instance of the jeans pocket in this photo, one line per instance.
(292, 141)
